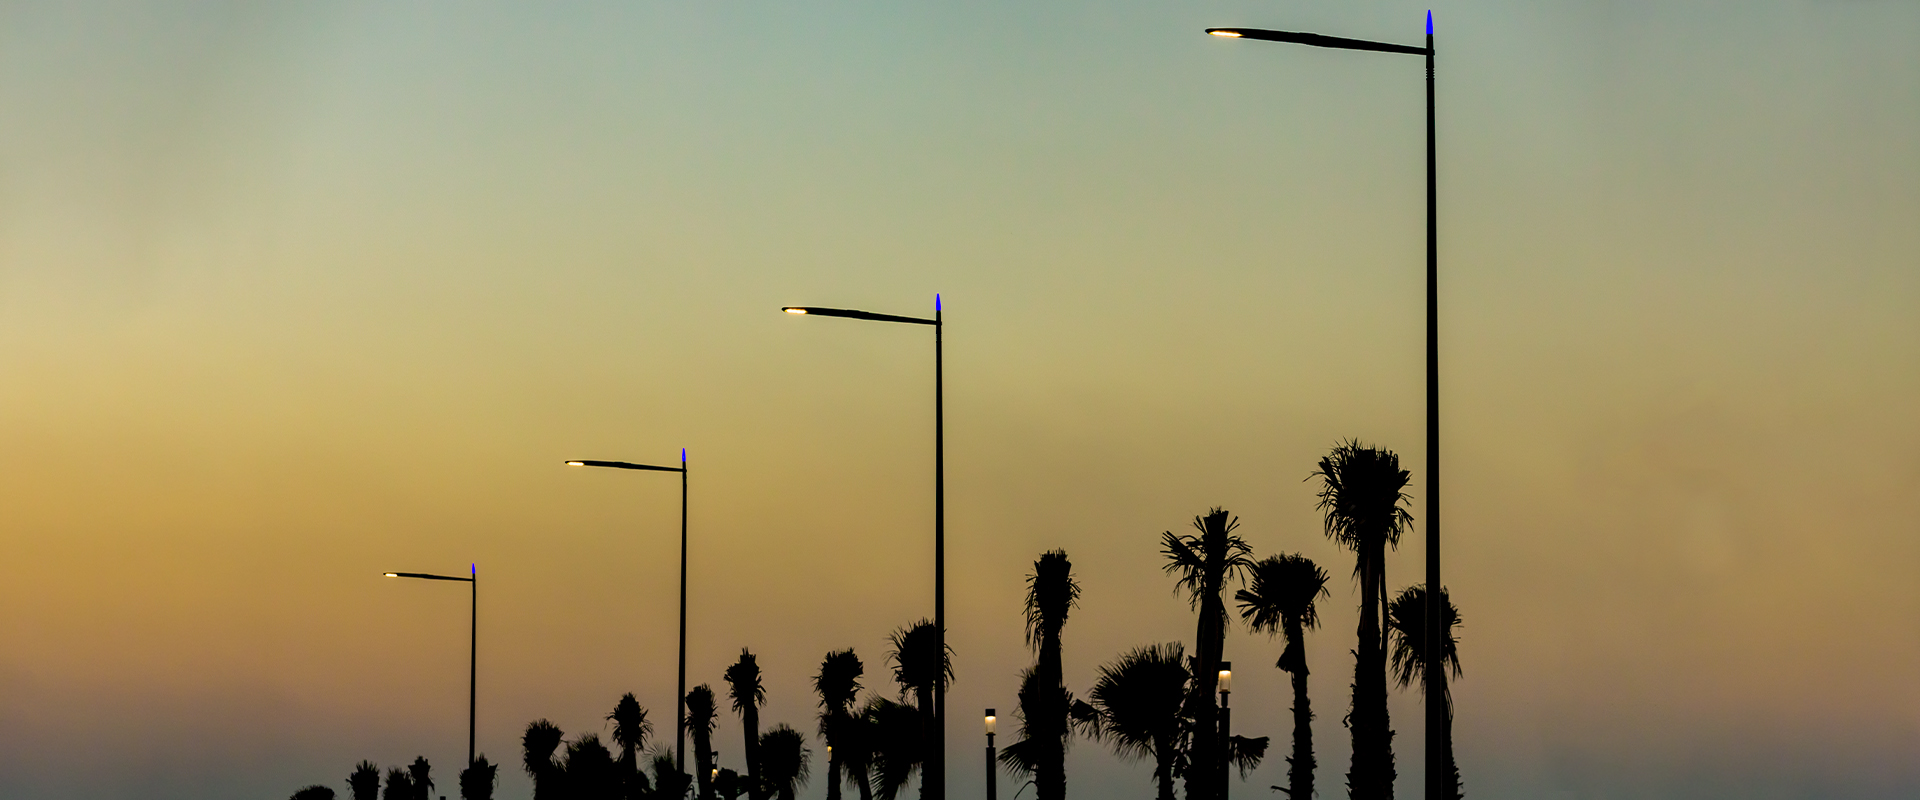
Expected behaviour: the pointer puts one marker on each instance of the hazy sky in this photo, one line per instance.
(292, 294)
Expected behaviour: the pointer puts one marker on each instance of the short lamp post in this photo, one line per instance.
(1226, 725)
(473, 637)
(991, 774)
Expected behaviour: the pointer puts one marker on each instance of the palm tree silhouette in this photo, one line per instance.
(1138, 701)
(743, 685)
(590, 771)
(897, 733)
(399, 785)
(920, 664)
(1281, 597)
(364, 782)
(420, 774)
(1044, 700)
(1363, 493)
(668, 780)
(478, 779)
(702, 715)
(630, 732)
(783, 757)
(838, 685)
(1407, 618)
(314, 792)
(726, 783)
(537, 746)
(1205, 563)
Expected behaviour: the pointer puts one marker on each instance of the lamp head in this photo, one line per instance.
(991, 719)
(391, 574)
(1224, 33)
(794, 310)
(1226, 676)
(576, 463)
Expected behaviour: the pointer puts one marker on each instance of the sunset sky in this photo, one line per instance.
(293, 294)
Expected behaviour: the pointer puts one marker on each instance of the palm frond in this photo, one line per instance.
(1407, 618)
(1051, 595)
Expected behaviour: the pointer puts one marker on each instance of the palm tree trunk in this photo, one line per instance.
(1203, 756)
(750, 721)
(1163, 753)
(866, 786)
(1370, 775)
(833, 774)
(1050, 730)
(1450, 778)
(1300, 765)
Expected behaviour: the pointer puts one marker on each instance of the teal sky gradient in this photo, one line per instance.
(294, 294)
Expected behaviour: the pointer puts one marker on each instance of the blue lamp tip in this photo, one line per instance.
(683, 455)
(1429, 22)
(936, 301)
(473, 569)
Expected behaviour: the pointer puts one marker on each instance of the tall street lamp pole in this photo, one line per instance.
(680, 705)
(936, 770)
(473, 638)
(1436, 679)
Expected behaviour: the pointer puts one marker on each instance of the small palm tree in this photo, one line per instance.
(1205, 563)
(590, 771)
(364, 783)
(1137, 702)
(668, 781)
(838, 685)
(702, 715)
(399, 785)
(1407, 617)
(897, 733)
(1281, 597)
(1363, 493)
(314, 792)
(537, 746)
(743, 685)
(478, 779)
(630, 732)
(420, 772)
(920, 665)
(783, 757)
(1044, 700)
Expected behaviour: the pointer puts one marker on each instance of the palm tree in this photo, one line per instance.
(1137, 702)
(1363, 493)
(783, 756)
(838, 684)
(399, 785)
(537, 746)
(590, 771)
(668, 781)
(1281, 597)
(897, 736)
(364, 783)
(478, 779)
(919, 665)
(1205, 563)
(1407, 617)
(702, 715)
(1044, 700)
(421, 774)
(630, 732)
(855, 744)
(743, 685)
(314, 792)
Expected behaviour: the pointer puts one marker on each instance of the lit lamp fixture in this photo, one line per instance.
(1226, 681)
(991, 775)
(472, 580)
(1226, 723)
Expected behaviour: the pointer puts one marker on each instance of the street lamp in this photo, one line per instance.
(1436, 680)
(680, 709)
(473, 636)
(1226, 724)
(991, 774)
(936, 769)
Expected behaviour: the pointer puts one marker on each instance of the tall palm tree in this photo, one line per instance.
(1204, 564)
(838, 684)
(783, 760)
(364, 783)
(1282, 596)
(537, 746)
(630, 732)
(702, 715)
(1044, 701)
(1407, 617)
(1363, 493)
(743, 685)
(1138, 700)
(478, 779)
(919, 665)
